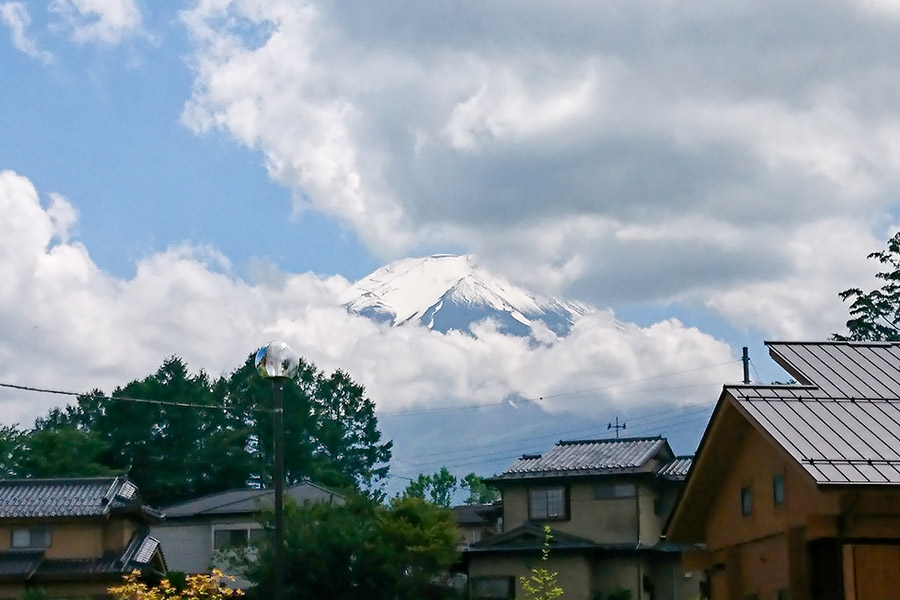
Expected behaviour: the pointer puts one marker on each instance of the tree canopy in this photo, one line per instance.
(361, 549)
(175, 452)
(875, 315)
(441, 487)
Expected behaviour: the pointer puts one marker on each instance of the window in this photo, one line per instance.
(493, 588)
(614, 490)
(236, 537)
(30, 537)
(778, 489)
(548, 503)
(746, 501)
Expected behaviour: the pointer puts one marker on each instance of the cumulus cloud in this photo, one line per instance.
(664, 152)
(15, 16)
(103, 21)
(68, 325)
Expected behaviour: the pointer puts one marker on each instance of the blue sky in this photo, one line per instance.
(197, 177)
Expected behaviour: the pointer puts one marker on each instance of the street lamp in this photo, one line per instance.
(278, 361)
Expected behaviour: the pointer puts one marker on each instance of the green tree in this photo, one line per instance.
(174, 452)
(479, 491)
(438, 487)
(875, 315)
(10, 441)
(542, 583)
(360, 549)
(61, 452)
(330, 428)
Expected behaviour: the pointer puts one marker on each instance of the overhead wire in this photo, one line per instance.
(538, 399)
(27, 388)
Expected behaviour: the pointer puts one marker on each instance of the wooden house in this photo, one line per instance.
(795, 489)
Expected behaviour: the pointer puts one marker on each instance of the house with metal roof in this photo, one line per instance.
(74, 537)
(605, 502)
(195, 532)
(795, 489)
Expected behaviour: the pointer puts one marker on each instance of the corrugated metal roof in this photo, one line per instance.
(843, 427)
(677, 469)
(624, 455)
(843, 369)
(71, 497)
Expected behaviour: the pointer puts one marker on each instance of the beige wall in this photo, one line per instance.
(574, 572)
(602, 520)
(580, 577)
(613, 573)
(83, 539)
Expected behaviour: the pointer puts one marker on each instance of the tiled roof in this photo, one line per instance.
(531, 537)
(589, 457)
(477, 514)
(19, 565)
(69, 497)
(247, 501)
(842, 424)
(677, 469)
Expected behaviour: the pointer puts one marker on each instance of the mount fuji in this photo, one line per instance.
(446, 292)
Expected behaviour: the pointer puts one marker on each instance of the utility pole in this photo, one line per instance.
(617, 427)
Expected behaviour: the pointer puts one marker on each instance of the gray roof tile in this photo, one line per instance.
(677, 469)
(69, 497)
(589, 457)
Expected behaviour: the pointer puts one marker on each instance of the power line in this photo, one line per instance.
(538, 399)
(465, 456)
(27, 388)
(643, 379)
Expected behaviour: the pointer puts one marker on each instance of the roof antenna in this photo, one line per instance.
(746, 360)
(617, 427)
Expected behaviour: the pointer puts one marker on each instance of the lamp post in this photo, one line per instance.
(278, 361)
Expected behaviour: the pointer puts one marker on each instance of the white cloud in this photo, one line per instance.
(68, 325)
(625, 153)
(103, 21)
(16, 17)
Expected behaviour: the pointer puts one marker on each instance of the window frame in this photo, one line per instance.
(547, 489)
(245, 530)
(746, 501)
(40, 530)
(508, 579)
(779, 497)
(614, 490)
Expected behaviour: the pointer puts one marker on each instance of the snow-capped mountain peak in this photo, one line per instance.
(445, 292)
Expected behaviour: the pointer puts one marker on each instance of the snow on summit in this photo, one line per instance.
(445, 292)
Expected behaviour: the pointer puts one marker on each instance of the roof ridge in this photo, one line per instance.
(649, 438)
(260, 492)
(56, 480)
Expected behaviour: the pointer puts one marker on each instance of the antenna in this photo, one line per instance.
(617, 427)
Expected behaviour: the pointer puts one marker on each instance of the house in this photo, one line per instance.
(795, 489)
(194, 531)
(606, 502)
(74, 537)
(476, 522)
